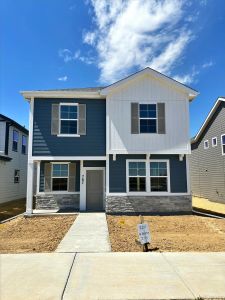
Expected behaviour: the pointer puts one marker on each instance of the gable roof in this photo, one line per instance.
(208, 118)
(101, 92)
(13, 123)
(191, 92)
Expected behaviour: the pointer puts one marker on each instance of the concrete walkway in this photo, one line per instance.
(117, 276)
(89, 233)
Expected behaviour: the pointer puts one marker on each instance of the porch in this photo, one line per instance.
(66, 186)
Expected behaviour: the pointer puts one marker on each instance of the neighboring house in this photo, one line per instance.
(208, 156)
(13, 160)
(123, 148)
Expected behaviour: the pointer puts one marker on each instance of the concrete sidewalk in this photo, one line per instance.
(114, 276)
(89, 233)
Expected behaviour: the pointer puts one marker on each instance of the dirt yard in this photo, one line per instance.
(35, 234)
(12, 208)
(169, 233)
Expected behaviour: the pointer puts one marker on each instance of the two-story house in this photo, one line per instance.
(13, 160)
(120, 148)
(208, 156)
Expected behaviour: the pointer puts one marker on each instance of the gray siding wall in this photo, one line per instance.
(117, 172)
(207, 166)
(91, 144)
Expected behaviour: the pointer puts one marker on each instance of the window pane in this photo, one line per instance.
(223, 139)
(69, 127)
(15, 136)
(223, 149)
(137, 184)
(158, 169)
(60, 170)
(147, 110)
(59, 184)
(158, 184)
(147, 125)
(68, 112)
(137, 169)
(24, 140)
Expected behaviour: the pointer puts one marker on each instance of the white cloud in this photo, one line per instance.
(89, 38)
(207, 64)
(137, 33)
(192, 76)
(66, 54)
(63, 78)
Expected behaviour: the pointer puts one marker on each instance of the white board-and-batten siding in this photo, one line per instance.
(146, 89)
(8, 189)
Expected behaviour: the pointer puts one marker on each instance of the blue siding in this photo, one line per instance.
(94, 163)
(117, 172)
(91, 144)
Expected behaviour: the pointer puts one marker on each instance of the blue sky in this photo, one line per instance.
(49, 44)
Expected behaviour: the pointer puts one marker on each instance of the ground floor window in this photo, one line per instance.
(152, 176)
(158, 176)
(16, 176)
(60, 175)
(137, 177)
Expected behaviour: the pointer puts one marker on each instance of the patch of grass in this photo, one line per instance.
(12, 208)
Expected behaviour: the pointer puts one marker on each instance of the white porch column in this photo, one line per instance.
(30, 164)
(107, 174)
(30, 178)
(82, 187)
(38, 177)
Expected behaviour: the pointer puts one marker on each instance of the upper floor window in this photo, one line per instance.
(206, 144)
(148, 118)
(60, 174)
(24, 144)
(223, 144)
(15, 140)
(68, 119)
(214, 141)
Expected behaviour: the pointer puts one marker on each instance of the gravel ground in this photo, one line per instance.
(12, 208)
(35, 234)
(169, 233)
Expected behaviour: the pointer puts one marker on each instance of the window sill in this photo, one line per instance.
(68, 135)
(56, 192)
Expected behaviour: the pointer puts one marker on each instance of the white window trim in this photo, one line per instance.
(139, 118)
(68, 134)
(168, 173)
(223, 153)
(205, 145)
(148, 187)
(52, 177)
(216, 142)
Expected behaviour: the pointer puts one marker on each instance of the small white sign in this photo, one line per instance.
(144, 234)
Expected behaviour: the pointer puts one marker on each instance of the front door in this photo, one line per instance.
(94, 190)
